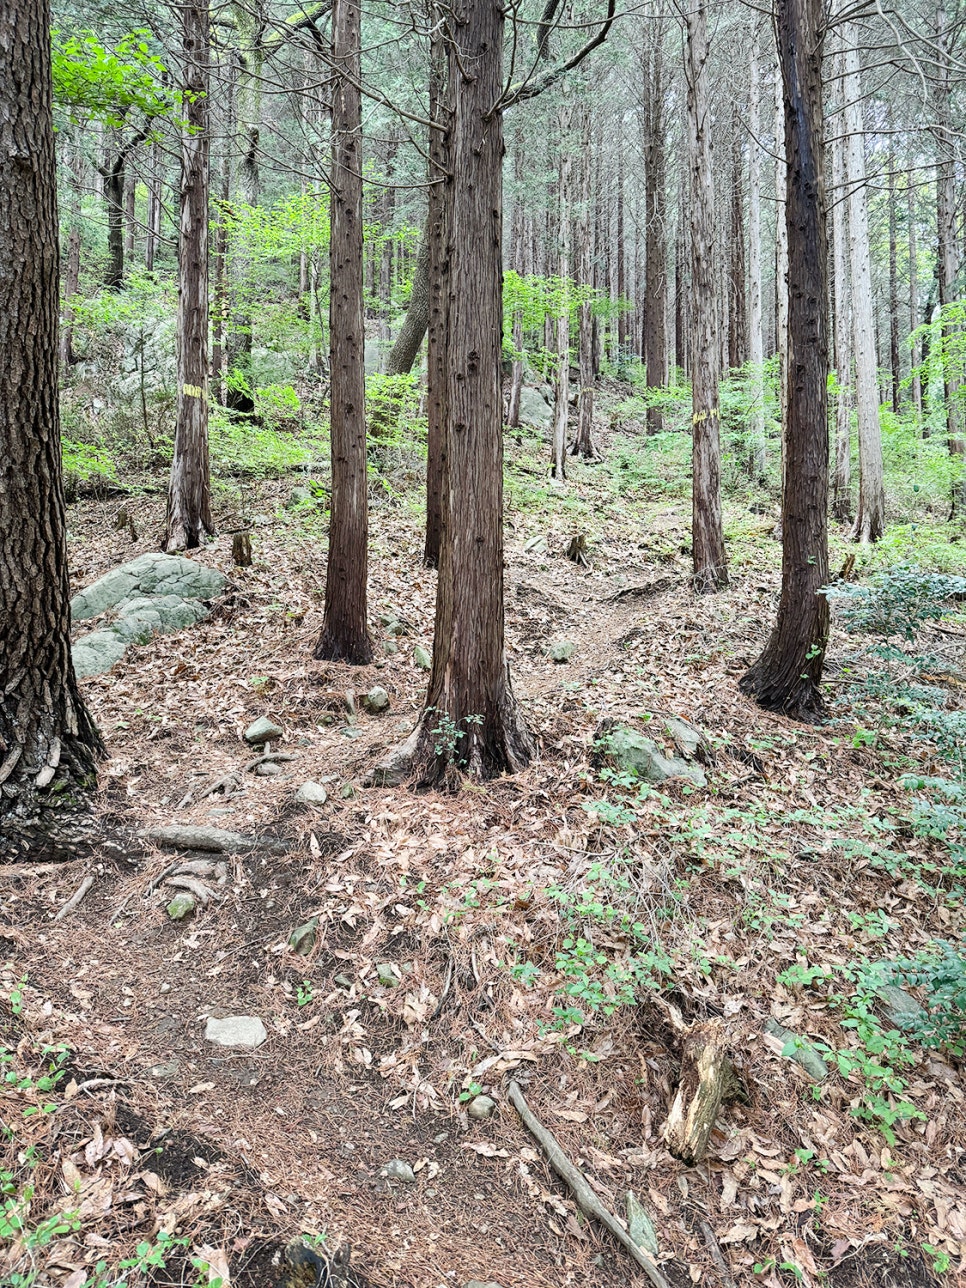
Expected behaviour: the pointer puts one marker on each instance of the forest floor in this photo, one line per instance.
(529, 923)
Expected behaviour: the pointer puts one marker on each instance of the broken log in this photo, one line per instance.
(707, 1080)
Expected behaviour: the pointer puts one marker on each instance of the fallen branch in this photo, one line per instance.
(717, 1256)
(212, 840)
(75, 898)
(586, 1199)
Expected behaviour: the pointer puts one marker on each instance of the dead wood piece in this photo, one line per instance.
(656, 587)
(707, 1079)
(198, 888)
(717, 1256)
(211, 840)
(577, 550)
(241, 550)
(75, 898)
(586, 1199)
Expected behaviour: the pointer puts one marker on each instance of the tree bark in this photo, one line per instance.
(781, 259)
(519, 229)
(916, 354)
(787, 675)
(709, 560)
(895, 359)
(47, 739)
(756, 344)
(437, 340)
(345, 631)
(842, 331)
(737, 314)
(561, 403)
(152, 238)
(410, 337)
(654, 347)
(72, 276)
(189, 492)
(584, 445)
(870, 512)
(471, 721)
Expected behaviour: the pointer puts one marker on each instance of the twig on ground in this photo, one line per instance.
(716, 1254)
(76, 897)
(586, 1199)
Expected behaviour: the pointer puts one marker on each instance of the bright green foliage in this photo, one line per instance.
(95, 83)
(536, 299)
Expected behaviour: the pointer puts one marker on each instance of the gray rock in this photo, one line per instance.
(422, 658)
(642, 757)
(562, 651)
(390, 647)
(376, 700)
(138, 619)
(181, 905)
(351, 732)
(536, 545)
(640, 1226)
(156, 575)
(480, 1107)
(96, 653)
(263, 730)
(159, 1072)
(388, 974)
(347, 791)
(688, 740)
(299, 496)
(481, 1283)
(534, 408)
(398, 1170)
(236, 1031)
(269, 769)
(798, 1050)
(312, 794)
(901, 1008)
(302, 938)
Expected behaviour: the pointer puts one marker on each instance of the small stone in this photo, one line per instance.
(161, 1071)
(562, 651)
(901, 1008)
(798, 1050)
(422, 659)
(350, 731)
(269, 769)
(302, 938)
(236, 1031)
(397, 1170)
(263, 730)
(343, 981)
(299, 496)
(312, 794)
(347, 792)
(181, 905)
(376, 700)
(480, 1107)
(388, 974)
(481, 1283)
(349, 701)
(390, 647)
(640, 1226)
(640, 756)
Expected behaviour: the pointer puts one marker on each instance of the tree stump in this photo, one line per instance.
(241, 550)
(707, 1080)
(577, 550)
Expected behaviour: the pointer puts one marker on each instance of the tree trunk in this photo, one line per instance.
(707, 536)
(781, 260)
(756, 342)
(895, 360)
(437, 340)
(788, 674)
(249, 19)
(915, 357)
(152, 238)
(561, 403)
(219, 312)
(72, 276)
(737, 315)
(345, 631)
(519, 228)
(842, 329)
(681, 346)
(654, 347)
(410, 337)
(471, 721)
(621, 254)
(584, 441)
(189, 492)
(130, 219)
(870, 512)
(47, 739)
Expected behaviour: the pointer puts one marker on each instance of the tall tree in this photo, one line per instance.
(345, 631)
(654, 347)
(561, 402)
(842, 329)
(46, 733)
(787, 675)
(437, 332)
(189, 491)
(471, 717)
(709, 560)
(756, 342)
(870, 512)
